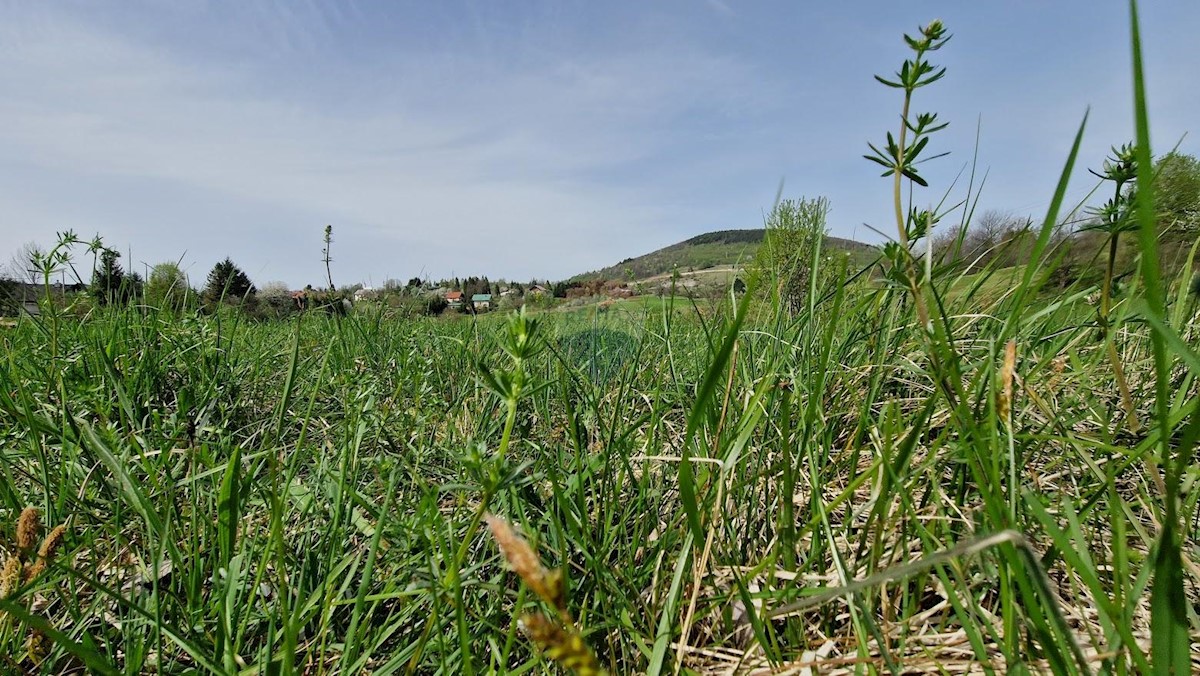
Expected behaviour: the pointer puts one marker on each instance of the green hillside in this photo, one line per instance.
(721, 248)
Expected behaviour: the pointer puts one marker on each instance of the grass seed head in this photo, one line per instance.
(526, 563)
(29, 529)
(560, 644)
(1004, 401)
(10, 576)
(52, 543)
(37, 646)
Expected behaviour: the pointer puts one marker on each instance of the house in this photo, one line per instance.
(537, 289)
(454, 298)
(481, 301)
(17, 297)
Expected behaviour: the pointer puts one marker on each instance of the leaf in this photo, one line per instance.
(912, 175)
(228, 507)
(932, 78)
(877, 161)
(889, 83)
(1169, 640)
(94, 661)
(912, 151)
(708, 387)
(1170, 648)
(492, 381)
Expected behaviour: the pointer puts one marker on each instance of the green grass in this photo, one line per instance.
(725, 486)
(307, 487)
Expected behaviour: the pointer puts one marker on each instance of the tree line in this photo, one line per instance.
(998, 238)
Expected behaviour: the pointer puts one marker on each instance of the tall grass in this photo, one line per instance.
(891, 478)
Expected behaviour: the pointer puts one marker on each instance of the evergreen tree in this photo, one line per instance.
(110, 284)
(227, 281)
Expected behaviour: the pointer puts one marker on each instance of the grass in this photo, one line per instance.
(705, 487)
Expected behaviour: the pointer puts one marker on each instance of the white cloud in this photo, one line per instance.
(483, 175)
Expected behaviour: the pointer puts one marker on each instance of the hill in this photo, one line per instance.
(720, 248)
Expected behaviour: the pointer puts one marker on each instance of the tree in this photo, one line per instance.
(227, 281)
(1177, 191)
(996, 235)
(110, 284)
(275, 301)
(21, 266)
(10, 295)
(795, 228)
(167, 287)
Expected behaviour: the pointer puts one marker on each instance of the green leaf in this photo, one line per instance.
(1169, 641)
(228, 507)
(932, 78)
(499, 385)
(94, 661)
(1170, 644)
(912, 175)
(1047, 229)
(912, 151)
(878, 161)
(708, 388)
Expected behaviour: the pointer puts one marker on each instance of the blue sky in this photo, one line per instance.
(520, 139)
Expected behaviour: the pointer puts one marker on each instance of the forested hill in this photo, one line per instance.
(709, 250)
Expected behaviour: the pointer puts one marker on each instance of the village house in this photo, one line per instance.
(481, 301)
(454, 299)
(26, 297)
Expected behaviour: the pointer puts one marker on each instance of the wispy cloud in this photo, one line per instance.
(468, 138)
(465, 180)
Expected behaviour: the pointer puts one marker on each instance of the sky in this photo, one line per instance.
(527, 139)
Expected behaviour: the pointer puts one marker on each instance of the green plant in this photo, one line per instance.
(901, 155)
(726, 484)
(1112, 219)
(227, 281)
(1177, 192)
(795, 231)
(167, 287)
(111, 284)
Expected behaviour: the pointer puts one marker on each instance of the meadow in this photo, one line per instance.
(903, 469)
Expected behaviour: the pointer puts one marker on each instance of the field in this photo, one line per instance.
(891, 468)
(309, 496)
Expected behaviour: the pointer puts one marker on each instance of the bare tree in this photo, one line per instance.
(995, 235)
(21, 265)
